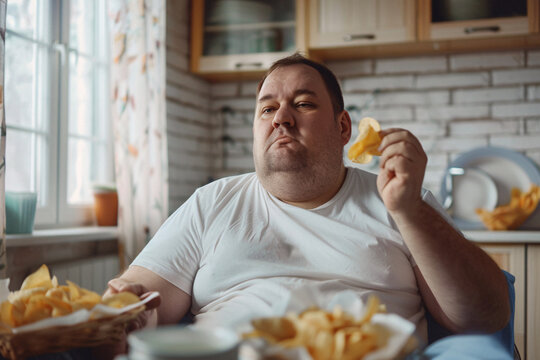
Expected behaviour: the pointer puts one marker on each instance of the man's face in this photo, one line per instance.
(295, 126)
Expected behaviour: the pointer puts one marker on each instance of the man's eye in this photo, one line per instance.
(304, 105)
(267, 110)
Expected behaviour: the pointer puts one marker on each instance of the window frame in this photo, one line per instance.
(57, 212)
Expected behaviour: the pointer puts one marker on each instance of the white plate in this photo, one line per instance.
(472, 190)
(508, 169)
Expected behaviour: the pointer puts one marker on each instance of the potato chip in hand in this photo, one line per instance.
(367, 142)
(120, 299)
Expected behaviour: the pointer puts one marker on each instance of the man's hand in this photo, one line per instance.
(403, 163)
(119, 285)
(147, 317)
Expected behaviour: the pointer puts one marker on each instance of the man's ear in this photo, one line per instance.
(344, 122)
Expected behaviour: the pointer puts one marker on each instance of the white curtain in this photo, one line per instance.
(139, 120)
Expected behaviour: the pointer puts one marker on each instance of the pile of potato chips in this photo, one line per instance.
(41, 297)
(513, 214)
(367, 142)
(326, 335)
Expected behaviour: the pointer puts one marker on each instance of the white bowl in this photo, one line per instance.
(183, 342)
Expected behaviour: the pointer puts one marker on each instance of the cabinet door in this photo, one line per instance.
(533, 302)
(512, 259)
(338, 23)
(244, 36)
(462, 19)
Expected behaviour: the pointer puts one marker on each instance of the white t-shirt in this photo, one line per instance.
(237, 250)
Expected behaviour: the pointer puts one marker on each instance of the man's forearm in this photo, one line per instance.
(465, 282)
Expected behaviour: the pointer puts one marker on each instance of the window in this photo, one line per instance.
(57, 109)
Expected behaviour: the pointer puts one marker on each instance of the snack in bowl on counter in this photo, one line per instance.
(326, 335)
(41, 297)
(367, 142)
(513, 214)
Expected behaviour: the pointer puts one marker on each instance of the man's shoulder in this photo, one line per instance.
(228, 184)
(362, 175)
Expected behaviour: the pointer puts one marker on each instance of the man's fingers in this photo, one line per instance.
(400, 149)
(399, 164)
(119, 285)
(395, 135)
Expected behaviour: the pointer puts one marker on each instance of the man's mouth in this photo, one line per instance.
(283, 140)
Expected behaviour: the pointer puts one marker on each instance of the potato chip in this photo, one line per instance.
(6, 314)
(278, 328)
(40, 278)
(120, 299)
(367, 142)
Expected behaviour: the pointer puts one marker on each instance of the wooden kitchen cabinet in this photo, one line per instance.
(533, 301)
(512, 259)
(242, 38)
(470, 19)
(343, 23)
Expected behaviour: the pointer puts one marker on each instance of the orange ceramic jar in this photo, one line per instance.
(106, 207)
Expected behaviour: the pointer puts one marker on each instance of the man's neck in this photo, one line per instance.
(308, 194)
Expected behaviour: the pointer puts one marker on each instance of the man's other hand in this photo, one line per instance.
(403, 163)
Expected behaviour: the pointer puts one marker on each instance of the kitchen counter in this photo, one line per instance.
(503, 237)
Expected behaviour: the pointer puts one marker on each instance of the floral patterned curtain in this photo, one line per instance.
(3, 259)
(139, 120)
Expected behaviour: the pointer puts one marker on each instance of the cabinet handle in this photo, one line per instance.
(351, 37)
(470, 30)
(248, 64)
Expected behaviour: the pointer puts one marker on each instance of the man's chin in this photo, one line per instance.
(285, 163)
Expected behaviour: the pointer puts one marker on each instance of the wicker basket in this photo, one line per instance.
(91, 333)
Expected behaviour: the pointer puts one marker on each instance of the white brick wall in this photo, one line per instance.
(413, 98)
(487, 127)
(516, 142)
(532, 126)
(487, 60)
(489, 95)
(375, 82)
(351, 68)
(533, 92)
(454, 80)
(189, 123)
(451, 112)
(516, 110)
(516, 76)
(411, 65)
(533, 58)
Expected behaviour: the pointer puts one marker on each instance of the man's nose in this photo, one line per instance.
(283, 116)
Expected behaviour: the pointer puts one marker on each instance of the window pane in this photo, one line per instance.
(82, 26)
(102, 157)
(81, 99)
(26, 163)
(20, 80)
(21, 17)
(79, 171)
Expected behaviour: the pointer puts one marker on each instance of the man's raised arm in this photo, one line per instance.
(460, 284)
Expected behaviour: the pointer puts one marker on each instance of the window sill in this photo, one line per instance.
(62, 236)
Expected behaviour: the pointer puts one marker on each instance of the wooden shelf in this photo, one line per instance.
(423, 48)
(257, 26)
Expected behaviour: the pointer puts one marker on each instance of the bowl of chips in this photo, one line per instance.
(46, 317)
(321, 334)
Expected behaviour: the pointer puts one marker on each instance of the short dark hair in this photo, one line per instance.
(330, 80)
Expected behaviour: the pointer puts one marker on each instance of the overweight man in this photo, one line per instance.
(303, 219)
